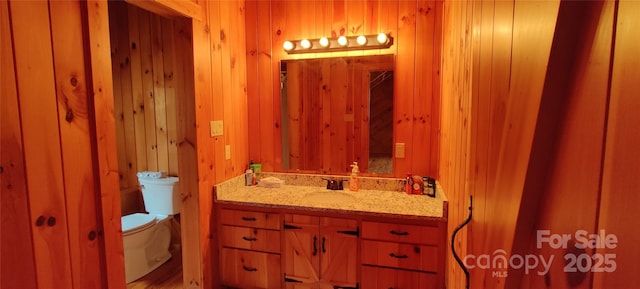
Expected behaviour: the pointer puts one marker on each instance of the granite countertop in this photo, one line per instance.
(376, 196)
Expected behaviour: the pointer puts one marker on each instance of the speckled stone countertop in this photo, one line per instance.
(376, 196)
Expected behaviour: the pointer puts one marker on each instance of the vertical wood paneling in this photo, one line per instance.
(136, 88)
(17, 265)
(405, 84)
(43, 163)
(214, 102)
(292, 20)
(265, 77)
(226, 98)
(159, 93)
(422, 107)
(118, 57)
(171, 95)
(73, 117)
(101, 91)
(187, 153)
(575, 95)
(252, 56)
(145, 97)
(619, 195)
(146, 61)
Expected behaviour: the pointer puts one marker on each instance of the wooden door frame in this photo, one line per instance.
(101, 87)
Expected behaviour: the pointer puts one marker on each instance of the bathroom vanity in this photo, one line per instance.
(302, 235)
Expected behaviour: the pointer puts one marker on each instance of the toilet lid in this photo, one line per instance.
(135, 222)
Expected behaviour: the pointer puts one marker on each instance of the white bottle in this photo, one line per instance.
(248, 177)
(353, 179)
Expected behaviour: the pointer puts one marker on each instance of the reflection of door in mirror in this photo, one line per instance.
(335, 111)
(380, 124)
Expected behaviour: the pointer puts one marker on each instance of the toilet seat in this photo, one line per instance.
(137, 222)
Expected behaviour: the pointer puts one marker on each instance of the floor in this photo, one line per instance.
(167, 276)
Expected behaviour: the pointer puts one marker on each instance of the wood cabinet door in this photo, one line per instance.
(249, 269)
(338, 251)
(301, 251)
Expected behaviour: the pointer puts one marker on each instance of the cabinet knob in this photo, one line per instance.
(51, 221)
(92, 235)
(40, 221)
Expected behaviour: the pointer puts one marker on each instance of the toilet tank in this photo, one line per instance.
(161, 195)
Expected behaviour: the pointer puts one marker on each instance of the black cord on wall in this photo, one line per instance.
(453, 238)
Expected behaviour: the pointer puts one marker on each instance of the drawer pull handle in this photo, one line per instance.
(324, 250)
(343, 287)
(355, 232)
(249, 239)
(291, 280)
(315, 246)
(398, 256)
(399, 233)
(249, 269)
(290, 227)
(248, 219)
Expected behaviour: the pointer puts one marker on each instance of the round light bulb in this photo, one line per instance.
(382, 38)
(324, 42)
(305, 44)
(288, 45)
(362, 40)
(342, 41)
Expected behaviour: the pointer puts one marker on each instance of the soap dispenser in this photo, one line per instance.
(353, 179)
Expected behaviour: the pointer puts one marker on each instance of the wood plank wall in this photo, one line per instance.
(305, 119)
(415, 26)
(535, 135)
(219, 73)
(50, 175)
(142, 50)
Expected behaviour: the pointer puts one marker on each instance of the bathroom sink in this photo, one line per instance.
(329, 197)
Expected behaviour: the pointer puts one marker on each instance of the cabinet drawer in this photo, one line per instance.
(426, 235)
(384, 278)
(250, 238)
(398, 255)
(248, 269)
(250, 219)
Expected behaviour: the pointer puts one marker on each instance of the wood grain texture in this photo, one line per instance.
(100, 87)
(334, 18)
(619, 172)
(39, 122)
(76, 149)
(187, 151)
(575, 94)
(17, 265)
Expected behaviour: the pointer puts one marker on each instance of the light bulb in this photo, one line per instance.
(324, 42)
(342, 41)
(288, 45)
(362, 40)
(382, 38)
(305, 43)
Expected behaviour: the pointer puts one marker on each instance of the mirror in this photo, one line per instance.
(335, 111)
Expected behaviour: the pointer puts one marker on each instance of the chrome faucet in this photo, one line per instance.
(333, 184)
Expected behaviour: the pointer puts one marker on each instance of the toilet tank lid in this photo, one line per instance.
(136, 221)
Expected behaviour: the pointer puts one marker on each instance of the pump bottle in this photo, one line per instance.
(353, 179)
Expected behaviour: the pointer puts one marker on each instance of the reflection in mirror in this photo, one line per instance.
(335, 111)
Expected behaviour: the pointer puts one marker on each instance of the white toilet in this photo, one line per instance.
(147, 237)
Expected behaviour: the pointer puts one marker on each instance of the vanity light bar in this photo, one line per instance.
(342, 43)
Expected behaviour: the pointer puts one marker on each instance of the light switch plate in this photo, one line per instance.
(216, 127)
(227, 152)
(400, 150)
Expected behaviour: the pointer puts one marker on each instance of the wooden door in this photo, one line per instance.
(338, 252)
(301, 251)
